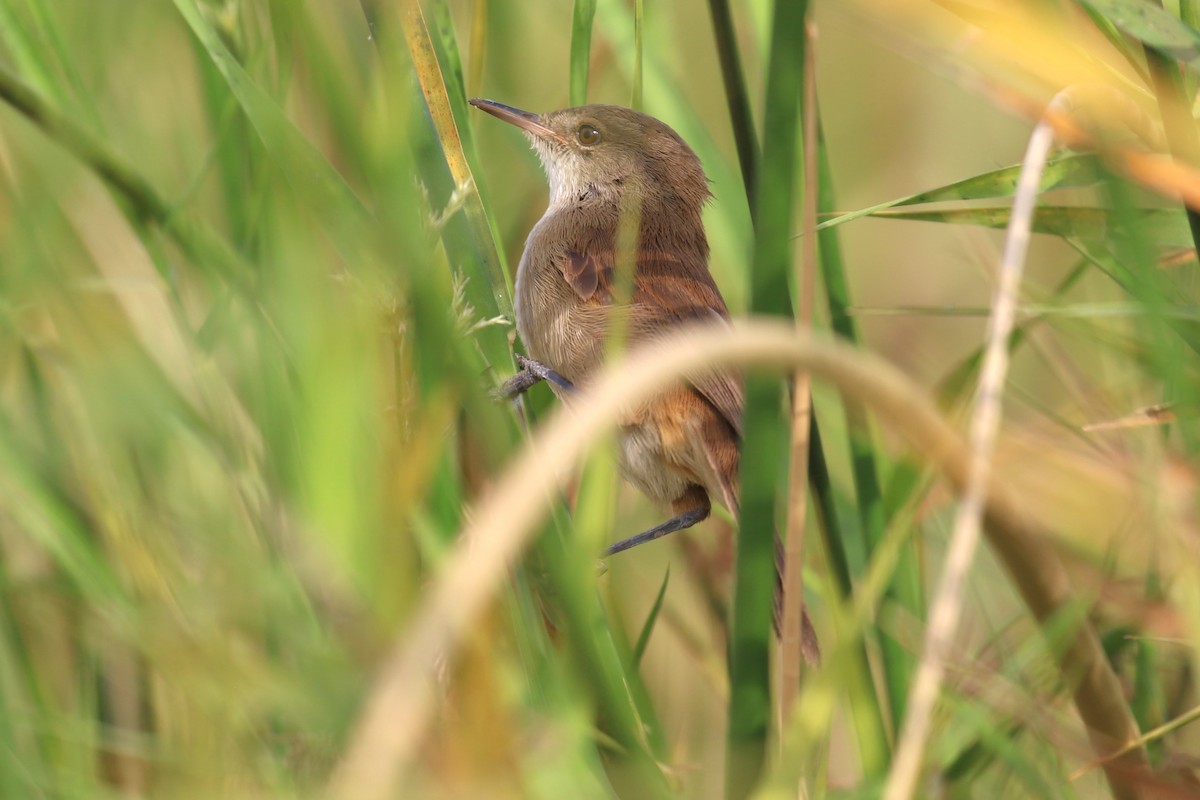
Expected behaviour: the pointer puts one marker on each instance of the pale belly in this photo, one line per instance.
(640, 460)
(556, 333)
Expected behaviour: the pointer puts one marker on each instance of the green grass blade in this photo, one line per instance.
(449, 61)
(807, 727)
(1155, 296)
(764, 446)
(639, 648)
(904, 589)
(1178, 122)
(135, 192)
(305, 167)
(1147, 702)
(1064, 171)
(958, 382)
(445, 45)
(635, 99)
(50, 33)
(1165, 227)
(737, 98)
(581, 49)
(441, 156)
(997, 742)
(57, 523)
(611, 677)
(1150, 24)
(444, 87)
(28, 57)
(873, 738)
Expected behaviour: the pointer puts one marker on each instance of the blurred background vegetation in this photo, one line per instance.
(252, 307)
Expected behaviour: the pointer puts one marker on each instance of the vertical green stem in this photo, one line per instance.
(638, 27)
(581, 49)
(736, 96)
(765, 435)
(905, 586)
(1180, 127)
(479, 37)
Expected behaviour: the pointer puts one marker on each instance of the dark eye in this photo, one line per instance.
(587, 135)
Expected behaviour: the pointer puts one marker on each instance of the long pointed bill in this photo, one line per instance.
(530, 123)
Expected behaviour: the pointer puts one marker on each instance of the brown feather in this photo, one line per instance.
(668, 290)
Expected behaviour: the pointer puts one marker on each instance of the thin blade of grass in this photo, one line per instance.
(461, 156)
(1149, 288)
(1178, 122)
(478, 52)
(809, 725)
(956, 384)
(29, 58)
(1148, 702)
(639, 648)
(1166, 227)
(305, 166)
(737, 98)
(445, 48)
(873, 735)
(997, 742)
(635, 99)
(1073, 170)
(581, 49)
(488, 286)
(794, 651)
(763, 450)
(59, 524)
(483, 232)
(623, 703)
(136, 194)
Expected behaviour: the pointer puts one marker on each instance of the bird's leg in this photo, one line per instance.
(689, 509)
(685, 520)
(532, 373)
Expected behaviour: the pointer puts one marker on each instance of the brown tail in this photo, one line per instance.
(718, 462)
(725, 469)
(810, 647)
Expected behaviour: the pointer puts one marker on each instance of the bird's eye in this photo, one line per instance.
(587, 135)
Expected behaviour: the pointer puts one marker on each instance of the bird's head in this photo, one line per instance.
(606, 152)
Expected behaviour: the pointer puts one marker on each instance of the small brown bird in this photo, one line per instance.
(604, 162)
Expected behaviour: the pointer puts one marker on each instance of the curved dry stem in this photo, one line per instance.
(946, 609)
(399, 707)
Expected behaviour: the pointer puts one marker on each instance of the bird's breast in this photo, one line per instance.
(557, 327)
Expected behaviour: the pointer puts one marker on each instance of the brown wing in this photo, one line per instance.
(582, 271)
(669, 288)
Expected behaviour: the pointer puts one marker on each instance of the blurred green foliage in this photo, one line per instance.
(252, 311)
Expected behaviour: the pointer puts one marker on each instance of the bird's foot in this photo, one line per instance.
(532, 373)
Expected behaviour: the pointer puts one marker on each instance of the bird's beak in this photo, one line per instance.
(526, 121)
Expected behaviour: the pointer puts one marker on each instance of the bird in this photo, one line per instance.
(607, 167)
